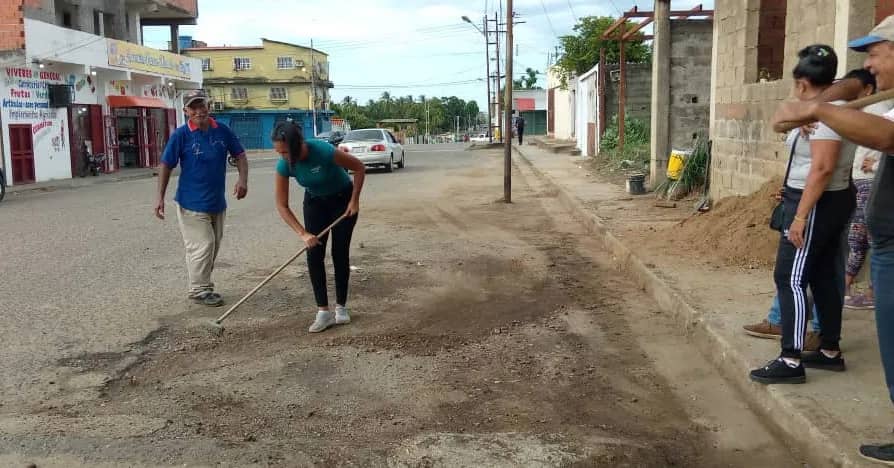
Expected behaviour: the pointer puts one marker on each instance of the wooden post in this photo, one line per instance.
(622, 88)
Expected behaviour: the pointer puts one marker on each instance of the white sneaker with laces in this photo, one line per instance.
(341, 315)
(324, 320)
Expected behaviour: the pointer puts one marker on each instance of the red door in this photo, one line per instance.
(153, 139)
(22, 147)
(76, 156)
(142, 139)
(110, 127)
(96, 133)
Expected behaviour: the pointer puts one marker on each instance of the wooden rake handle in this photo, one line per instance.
(275, 272)
(855, 104)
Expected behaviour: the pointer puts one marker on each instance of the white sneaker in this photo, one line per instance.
(341, 315)
(325, 319)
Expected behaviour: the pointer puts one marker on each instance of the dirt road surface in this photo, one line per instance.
(484, 334)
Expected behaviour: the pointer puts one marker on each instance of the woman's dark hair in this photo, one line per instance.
(817, 64)
(289, 133)
(862, 74)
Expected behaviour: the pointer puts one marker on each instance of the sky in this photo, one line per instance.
(404, 47)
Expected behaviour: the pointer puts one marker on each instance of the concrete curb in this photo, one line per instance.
(72, 184)
(772, 405)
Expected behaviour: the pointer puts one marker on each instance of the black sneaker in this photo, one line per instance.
(778, 372)
(883, 453)
(818, 360)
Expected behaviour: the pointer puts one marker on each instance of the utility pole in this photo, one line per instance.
(497, 78)
(313, 87)
(507, 148)
(490, 128)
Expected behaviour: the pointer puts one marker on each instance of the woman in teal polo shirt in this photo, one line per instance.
(328, 194)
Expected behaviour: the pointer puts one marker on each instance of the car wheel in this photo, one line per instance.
(403, 157)
(390, 166)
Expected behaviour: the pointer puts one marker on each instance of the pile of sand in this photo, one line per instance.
(735, 231)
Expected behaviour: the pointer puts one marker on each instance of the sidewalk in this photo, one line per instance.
(828, 417)
(120, 176)
(79, 182)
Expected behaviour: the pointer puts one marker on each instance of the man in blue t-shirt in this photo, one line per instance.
(200, 148)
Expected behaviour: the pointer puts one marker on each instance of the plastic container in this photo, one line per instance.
(636, 184)
(676, 163)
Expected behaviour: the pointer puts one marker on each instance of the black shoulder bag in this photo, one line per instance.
(777, 217)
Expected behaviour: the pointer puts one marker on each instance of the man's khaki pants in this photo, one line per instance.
(202, 233)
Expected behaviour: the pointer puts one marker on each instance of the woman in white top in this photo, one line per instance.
(863, 172)
(818, 201)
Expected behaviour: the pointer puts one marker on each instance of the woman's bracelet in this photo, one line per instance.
(798, 218)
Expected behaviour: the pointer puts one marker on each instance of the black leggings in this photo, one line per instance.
(319, 213)
(814, 265)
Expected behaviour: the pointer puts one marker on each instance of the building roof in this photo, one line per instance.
(263, 39)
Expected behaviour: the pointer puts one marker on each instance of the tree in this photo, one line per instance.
(580, 52)
(439, 112)
(528, 81)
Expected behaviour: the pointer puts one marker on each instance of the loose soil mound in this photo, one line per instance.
(736, 230)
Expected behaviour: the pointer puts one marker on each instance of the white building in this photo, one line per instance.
(586, 112)
(561, 106)
(68, 88)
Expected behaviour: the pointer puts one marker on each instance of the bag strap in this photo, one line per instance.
(791, 156)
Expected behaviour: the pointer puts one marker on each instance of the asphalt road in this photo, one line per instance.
(484, 334)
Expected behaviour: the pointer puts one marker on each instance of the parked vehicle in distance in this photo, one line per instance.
(479, 138)
(376, 147)
(334, 137)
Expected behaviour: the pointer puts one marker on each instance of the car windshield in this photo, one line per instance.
(362, 135)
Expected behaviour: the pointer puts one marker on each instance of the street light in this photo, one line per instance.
(487, 69)
(467, 20)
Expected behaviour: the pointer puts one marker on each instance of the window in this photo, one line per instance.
(98, 23)
(241, 63)
(206, 64)
(239, 94)
(285, 63)
(771, 40)
(278, 94)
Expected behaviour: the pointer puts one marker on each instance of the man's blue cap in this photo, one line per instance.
(881, 33)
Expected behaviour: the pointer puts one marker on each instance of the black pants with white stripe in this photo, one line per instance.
(813, 264)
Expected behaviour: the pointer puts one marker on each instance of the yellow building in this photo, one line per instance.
(273, 76)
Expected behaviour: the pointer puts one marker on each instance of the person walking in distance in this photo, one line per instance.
(520, 127)
(329, 194)
(200, 148)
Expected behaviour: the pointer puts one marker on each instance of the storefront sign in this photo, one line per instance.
(136, 57)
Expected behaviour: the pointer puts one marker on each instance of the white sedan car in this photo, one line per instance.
(376, 147)
(479, 138)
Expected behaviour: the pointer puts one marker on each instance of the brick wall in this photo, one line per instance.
(883, 9)
(12, 28)
(771, 37)
(190, 6)
(746, 151)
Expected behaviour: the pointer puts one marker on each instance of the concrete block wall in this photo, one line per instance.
(746, 150)
(690, 80)
(639, 92)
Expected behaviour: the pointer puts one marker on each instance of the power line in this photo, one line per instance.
(616, 7)
(573, 14)
(548, 20)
